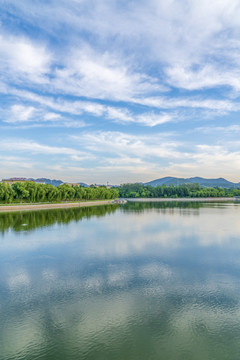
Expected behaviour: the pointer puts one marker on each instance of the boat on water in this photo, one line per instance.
(120, 201)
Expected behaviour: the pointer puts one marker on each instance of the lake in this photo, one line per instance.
(140, 281)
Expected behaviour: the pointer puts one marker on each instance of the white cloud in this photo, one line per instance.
(123, 114)
(52, 116)
(172, 35)
(22, 59)
(117, 114)
(26, 116)
(193, 102)
(60, 104)
(148, 118)
(207, 76)
(152, 119)
(102, 75)
(21, 113)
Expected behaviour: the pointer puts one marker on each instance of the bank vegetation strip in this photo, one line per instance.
(29, 195)
(181, 191)
(31, 192)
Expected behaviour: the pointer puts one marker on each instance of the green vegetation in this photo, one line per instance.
(30, 192)
(181, 191)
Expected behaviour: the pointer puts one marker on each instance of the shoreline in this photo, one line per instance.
(211, 199)
(39, 206)
(27, 207)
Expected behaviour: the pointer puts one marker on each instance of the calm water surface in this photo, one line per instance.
(138, 281)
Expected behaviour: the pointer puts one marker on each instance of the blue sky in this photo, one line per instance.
(119, 91)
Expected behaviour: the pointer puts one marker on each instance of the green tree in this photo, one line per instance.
(20, 191)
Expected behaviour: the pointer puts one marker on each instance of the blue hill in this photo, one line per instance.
(220, 182)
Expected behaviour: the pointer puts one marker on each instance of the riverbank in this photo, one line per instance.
(182, 199)
(23, 207)
(45, 206)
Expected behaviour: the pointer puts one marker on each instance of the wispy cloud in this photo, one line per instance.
(102, 75)
(35, 148)
(23, 113)
(97, 108)
(232, 129)
(117, 143)
(181, 36)
(25, 116)
(206, 77)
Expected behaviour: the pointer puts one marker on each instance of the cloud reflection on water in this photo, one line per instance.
(130, 232)
(159, 280)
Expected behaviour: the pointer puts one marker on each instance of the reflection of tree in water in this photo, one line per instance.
(141, 206)
(29, 220)
(170, 206)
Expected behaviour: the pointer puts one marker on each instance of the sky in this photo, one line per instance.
(110, 91)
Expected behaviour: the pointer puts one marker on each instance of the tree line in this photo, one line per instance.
(180, 191)
(31, 192)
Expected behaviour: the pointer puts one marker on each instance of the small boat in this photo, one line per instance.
(120, 201)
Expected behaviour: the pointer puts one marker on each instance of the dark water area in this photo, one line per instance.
(136, 281)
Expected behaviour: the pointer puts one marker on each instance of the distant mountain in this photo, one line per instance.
(83, 184)
(47, 181)
(220, 182)
(167, 181)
